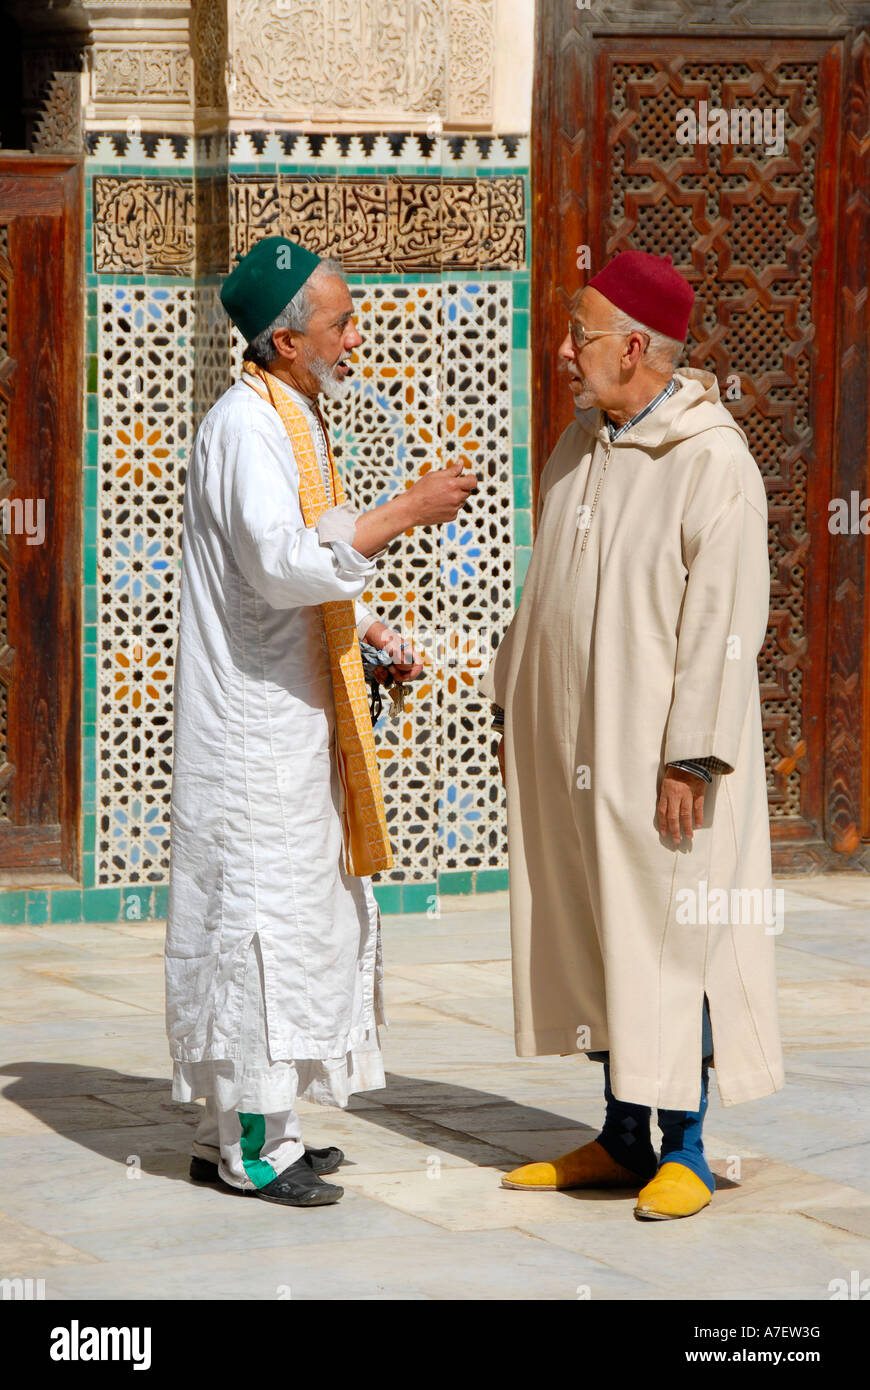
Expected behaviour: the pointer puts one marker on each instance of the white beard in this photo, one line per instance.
(327, 381)
(583, 400)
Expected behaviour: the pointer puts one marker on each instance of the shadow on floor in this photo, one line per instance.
(77, 1103)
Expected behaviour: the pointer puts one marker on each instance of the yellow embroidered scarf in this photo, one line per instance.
(366, 841)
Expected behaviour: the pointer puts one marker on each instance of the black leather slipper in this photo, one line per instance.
(322, 1161)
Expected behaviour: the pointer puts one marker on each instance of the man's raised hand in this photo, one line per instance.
(436, 497)
(440, 495)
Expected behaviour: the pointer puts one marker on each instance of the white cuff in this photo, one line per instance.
(338, 524)
(364, 619)
(351, 565)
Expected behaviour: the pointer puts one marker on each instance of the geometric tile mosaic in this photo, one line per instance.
(145, 363)
(211, 350)
(433, 385)
(435, 388)
(476, 591)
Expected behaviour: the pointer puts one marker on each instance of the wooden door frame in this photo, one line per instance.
(50, 598)
(847, 728)
(569, 179)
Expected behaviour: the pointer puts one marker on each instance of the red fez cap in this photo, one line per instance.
(648, 289)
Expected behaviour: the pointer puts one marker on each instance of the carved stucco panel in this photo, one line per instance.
(472, 61)
(122, 71)
(344, 55)
(292, 58)
(143, 225)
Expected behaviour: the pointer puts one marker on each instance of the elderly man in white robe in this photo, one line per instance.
(273, 955)
(627, 688)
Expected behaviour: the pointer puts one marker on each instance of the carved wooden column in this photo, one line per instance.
(847, 762)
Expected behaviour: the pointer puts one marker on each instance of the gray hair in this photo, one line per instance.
(296, 316)
(662, 353)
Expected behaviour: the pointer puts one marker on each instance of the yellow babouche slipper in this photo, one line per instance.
(589, 1166)
(674, 1191)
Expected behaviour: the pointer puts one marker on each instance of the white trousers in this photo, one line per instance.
(249, 1150)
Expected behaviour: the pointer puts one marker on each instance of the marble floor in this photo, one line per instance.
(95, 1201)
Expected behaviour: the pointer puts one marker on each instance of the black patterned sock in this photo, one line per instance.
(626, 1133)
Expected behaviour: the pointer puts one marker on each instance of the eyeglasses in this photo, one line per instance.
(580, 336)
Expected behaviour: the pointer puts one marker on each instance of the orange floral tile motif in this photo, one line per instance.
(135, 679)
(460, 444)
(139, 454)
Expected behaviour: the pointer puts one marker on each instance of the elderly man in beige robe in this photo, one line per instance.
(640, 873)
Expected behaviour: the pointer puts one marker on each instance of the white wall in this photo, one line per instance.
(514, 64)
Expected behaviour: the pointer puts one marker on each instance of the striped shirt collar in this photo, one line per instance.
(616, 431)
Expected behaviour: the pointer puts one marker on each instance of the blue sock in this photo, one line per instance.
(681, 1136)
(625, 1135)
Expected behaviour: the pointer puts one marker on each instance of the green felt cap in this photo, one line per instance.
(264, 282)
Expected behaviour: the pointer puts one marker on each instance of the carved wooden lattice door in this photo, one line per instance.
(755, 231)
(40, 509)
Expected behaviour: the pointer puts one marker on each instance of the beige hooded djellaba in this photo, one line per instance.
(638, 651)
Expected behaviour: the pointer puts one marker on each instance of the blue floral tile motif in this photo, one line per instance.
(138, 564)
(456, 566)
(464, 817)
(133, 833)
(140, 312)
(373, 404)
(463, 300)
(369, 439)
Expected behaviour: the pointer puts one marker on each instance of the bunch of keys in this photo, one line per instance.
(373, 659)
